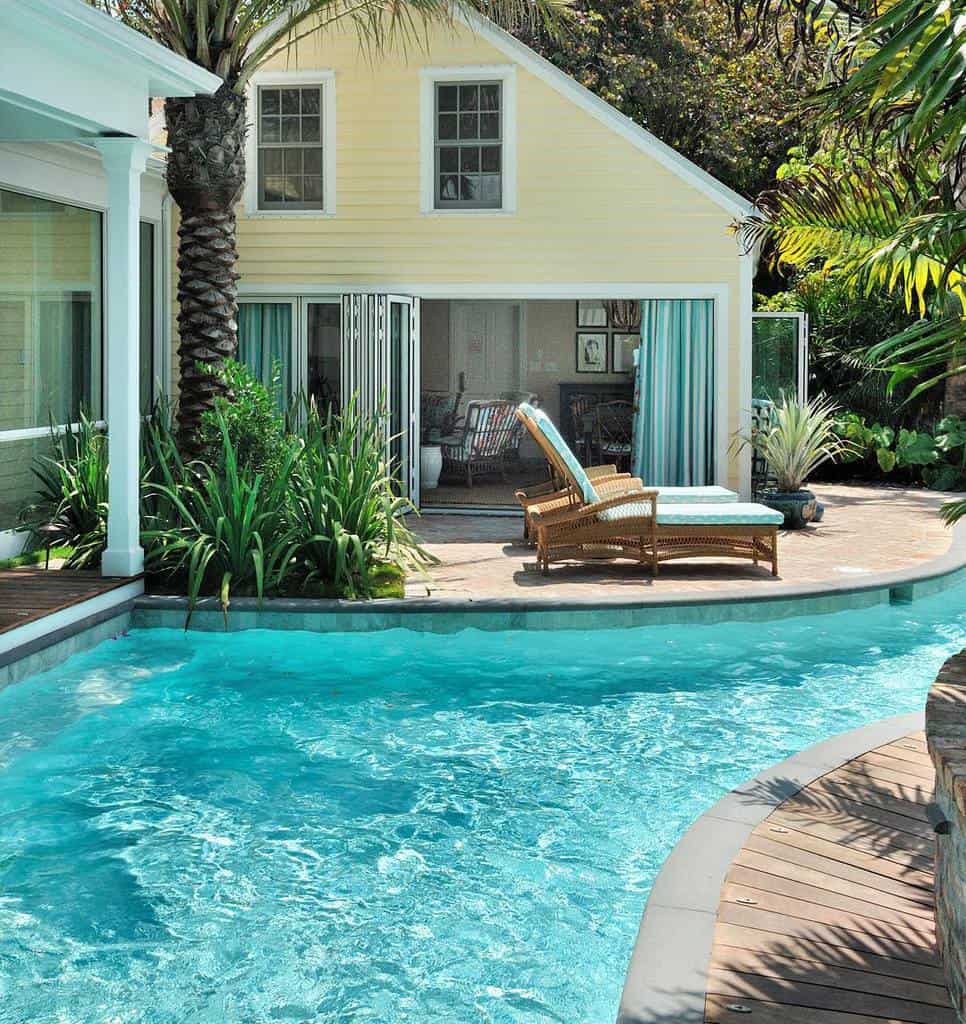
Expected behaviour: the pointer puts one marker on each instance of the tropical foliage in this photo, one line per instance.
(936, 458)
(887, 211)
(206, 137)
(320, 515)
(842, 326)
(72, 492)
(799, 437)
(677, 68)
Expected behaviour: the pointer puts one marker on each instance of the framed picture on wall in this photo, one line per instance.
(591, 351)
(622, 352)
(591, 313)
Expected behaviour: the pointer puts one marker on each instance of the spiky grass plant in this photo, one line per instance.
(799, 438)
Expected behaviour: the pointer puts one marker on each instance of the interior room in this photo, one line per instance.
(480, 358)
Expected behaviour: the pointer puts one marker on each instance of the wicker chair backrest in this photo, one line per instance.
(557, 452)
(490, 428)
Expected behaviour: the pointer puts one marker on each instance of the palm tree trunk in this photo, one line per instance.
(206, 176)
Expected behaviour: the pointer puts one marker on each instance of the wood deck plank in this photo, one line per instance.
(826, 915)
(29, 594)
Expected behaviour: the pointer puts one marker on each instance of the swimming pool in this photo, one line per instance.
(393, 827)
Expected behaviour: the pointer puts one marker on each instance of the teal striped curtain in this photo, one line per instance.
(674, 393)
(265, 342)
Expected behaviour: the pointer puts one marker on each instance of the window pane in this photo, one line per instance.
(469, 126)
(290, 101)
(489, 126)
(449, 158)
(447, 126)
(469, 187)
(312, 161)
(290, 129)
(469, 158)
(311, 101)
(311, 129)
(271, 129)
(490, 97)
(270, 101)
(293, 188)
(50, 312)
(146, 319)
(491, 158)
(272, 162)
(293, 161)
(469, 97)
(447, 97)
(490, 191)
(273, 188)
(313, 188)
(449, 187)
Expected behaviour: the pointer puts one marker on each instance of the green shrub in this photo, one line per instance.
(72, 492)
(227, 532)
(346, 505)
(252, 421)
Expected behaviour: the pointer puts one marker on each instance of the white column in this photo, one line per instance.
(124, 161)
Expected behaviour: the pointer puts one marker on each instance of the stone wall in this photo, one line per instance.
(946, 736)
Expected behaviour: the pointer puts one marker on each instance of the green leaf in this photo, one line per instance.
(915, 449)
(886, 459)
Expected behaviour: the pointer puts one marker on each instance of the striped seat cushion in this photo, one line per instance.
(694, 495)
(546, 427)
(736, 513)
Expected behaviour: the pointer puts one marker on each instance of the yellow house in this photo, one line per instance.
(465, 222)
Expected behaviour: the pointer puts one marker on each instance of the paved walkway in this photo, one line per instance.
(865, 530)
(826, 916)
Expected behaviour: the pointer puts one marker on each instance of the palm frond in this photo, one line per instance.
(877, 230)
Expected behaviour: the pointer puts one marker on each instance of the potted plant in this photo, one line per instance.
(794, 442)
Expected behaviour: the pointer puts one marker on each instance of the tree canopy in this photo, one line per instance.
(678, 68)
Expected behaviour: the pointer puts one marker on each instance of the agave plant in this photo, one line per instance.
(219, 529)
(346, 505)
(72, 495)
(799, 438)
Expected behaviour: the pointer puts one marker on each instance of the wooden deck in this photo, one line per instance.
(826, 916)
(29, 594)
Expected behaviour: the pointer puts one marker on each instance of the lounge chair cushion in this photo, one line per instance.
(546, 427)
(736, 513)
(694, 495)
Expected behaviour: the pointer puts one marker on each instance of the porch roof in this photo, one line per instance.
(70, 72)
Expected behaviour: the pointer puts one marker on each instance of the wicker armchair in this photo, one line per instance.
(490, 437)
(613, 429)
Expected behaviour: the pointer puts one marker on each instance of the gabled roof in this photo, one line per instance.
(628, 129)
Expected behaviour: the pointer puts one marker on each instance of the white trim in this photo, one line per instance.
(639, 137)
(529, 290)
(167, 74)
(48, 624)
(506, 74)
(32, 433)
(745, 281)
(324, 77)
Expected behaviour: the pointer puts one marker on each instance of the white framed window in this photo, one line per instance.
(468, 140)
(291, 150)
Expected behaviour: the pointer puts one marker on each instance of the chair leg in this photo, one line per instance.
(469, 477)
(774, 553)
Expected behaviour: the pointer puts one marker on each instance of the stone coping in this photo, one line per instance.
(548, 612)
(946, 730)
(667, 977)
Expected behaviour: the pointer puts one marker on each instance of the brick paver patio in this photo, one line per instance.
(865, 530)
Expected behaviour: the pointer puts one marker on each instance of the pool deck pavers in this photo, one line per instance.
(866, 530)
(826, 914)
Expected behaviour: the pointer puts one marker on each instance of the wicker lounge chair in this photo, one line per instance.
(607, 481)
(636, 525)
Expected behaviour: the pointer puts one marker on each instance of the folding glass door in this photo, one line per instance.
(380, 367)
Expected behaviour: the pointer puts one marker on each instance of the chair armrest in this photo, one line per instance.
(552, 517)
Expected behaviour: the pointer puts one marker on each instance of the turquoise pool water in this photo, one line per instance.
(397, 827)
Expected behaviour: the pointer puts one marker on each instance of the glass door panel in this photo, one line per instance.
(323, 343)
